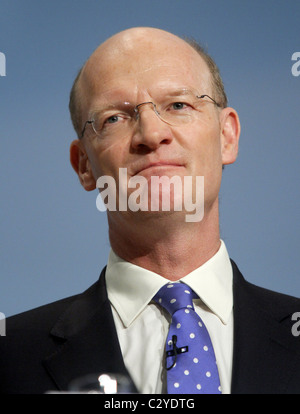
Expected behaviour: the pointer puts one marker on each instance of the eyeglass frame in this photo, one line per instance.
(155, 110)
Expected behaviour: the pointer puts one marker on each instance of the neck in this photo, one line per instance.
(165, 246)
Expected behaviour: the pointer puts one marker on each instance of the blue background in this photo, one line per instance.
(54, 241)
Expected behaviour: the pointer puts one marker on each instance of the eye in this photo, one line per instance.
(177, 106)
(103, 123)
(112, 119)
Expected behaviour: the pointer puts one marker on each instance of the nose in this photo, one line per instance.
(151, 131)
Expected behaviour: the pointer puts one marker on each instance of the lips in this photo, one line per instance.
(158, 165)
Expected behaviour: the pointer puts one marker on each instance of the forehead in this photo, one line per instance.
(141, 65)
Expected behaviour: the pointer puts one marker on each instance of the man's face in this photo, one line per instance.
(137, 69)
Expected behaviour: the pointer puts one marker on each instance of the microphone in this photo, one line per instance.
(175, 351)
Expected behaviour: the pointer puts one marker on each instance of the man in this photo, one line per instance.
(151, 104)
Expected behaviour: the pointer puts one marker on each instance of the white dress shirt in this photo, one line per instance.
(142, 326)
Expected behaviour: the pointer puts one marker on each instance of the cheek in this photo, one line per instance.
(206, 158)
(205, 146)
(106, 159)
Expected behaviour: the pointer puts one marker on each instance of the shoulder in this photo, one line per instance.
(26, 343)
(277, 304)
(43, 318)
(35, 335)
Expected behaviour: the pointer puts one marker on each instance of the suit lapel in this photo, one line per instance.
(265, 351)
(87, 339)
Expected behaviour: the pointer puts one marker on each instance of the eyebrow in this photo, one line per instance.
(126, 104)
(180, 92)
(110, 107)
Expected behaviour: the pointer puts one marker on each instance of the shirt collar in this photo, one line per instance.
(131, 288)
(213, 284)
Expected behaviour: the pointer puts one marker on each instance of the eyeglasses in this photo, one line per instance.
(174, 108)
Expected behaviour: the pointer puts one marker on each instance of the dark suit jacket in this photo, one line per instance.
(46, 348)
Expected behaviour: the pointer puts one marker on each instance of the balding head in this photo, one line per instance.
(128, 50)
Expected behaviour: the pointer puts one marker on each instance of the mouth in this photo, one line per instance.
(157, 168)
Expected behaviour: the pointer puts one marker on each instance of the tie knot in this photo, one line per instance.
(175, 296)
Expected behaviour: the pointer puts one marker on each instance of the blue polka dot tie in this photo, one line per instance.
(190, 358)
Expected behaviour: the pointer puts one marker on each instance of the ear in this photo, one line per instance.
(81, 164)
(230, 133)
